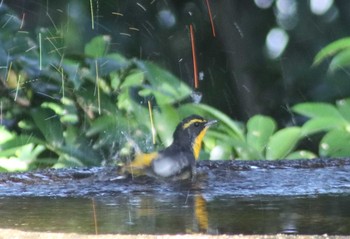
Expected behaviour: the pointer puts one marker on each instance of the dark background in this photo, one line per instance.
(240, 77)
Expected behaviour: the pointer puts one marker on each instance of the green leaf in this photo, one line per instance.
(49, 125)
(134, 78)
(89, 99)
(335, 144)
(83, 153)
(317, 125)
(301, 154)
(9, 147)
(166, 88)
(317, 110)
(101, 124)
(260, 128)
(340, 60)
(242, 150)
(344, 108)
(332, 49)
(97, 47)
(165, 123)
(282, 143)
(5, 135)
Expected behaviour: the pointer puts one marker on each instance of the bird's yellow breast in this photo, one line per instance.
(197, 145)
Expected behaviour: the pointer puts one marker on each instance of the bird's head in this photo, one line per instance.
(190, 132)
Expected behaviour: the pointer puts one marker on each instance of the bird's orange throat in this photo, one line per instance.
(197, 145)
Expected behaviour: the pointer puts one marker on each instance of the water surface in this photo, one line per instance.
(255, 197)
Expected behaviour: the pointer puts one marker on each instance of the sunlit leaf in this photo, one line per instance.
(260, 128)
(19, 141)
(332, 49)
(301, 154)
(282, 143)
(335, 144)
(5, 135)
(98, 46)
(317, 110)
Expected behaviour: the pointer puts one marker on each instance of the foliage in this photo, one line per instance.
(333, 120)
(339, 50)
(64, 110)
(67, 110)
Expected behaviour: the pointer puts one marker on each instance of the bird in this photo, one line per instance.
(177, 161)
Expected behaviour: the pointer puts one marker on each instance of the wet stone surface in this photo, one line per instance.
(215, 178)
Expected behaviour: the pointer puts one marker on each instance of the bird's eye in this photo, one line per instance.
(196, 124)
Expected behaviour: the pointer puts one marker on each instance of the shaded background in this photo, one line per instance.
(258, 62)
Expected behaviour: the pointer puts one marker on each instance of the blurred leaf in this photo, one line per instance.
(340, 60)
(82, 153)
(318, 110)
(165, 123)
(90, 102)
(4, 135)
(260, 128)
(19, 141)
(234, 128)
(166, 88)
(71, 68)
(102, 123)
(49, 125)
(134, 78)
(97, 47)
(301, 154)
(106, 65)
(65, 161)
(282, 143)
(344, 108)
(331, 49)
(335, 144)
(317, 125)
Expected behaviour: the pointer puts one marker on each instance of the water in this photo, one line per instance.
(292, 197)
(156, 214)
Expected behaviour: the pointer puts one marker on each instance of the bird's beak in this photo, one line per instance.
(210, 123)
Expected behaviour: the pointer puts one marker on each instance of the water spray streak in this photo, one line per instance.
(18, 84)
(62, 79)
(118, 14)
(142, 7)
(8, 72)
(54, 46)
(211, 18)
(92, 16)
(22, 21)
(194, 58)
(97, 88)
(8, 20)
(0, 112)
(153, 129)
